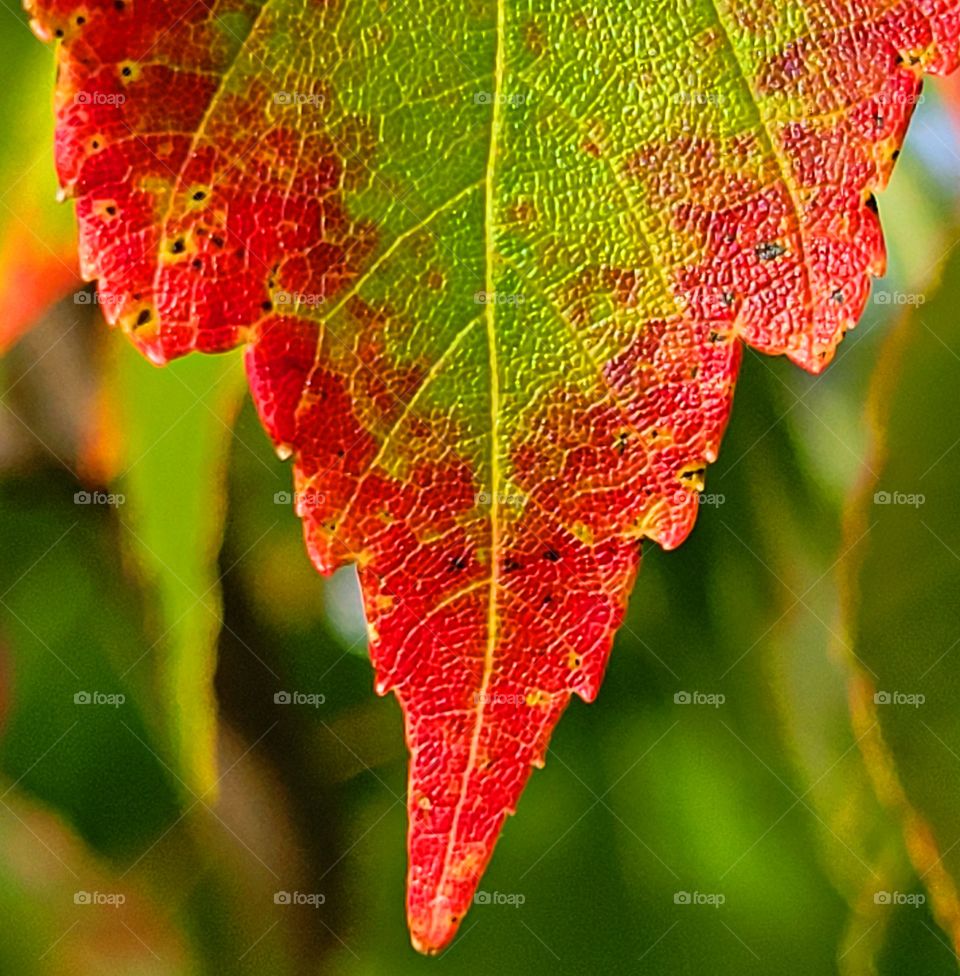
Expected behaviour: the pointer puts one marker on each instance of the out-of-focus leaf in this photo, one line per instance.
(212, 862)
(789, 550)
(172, 435)
(903, 584)
(66, 913)
(72, 628)
(38, 237)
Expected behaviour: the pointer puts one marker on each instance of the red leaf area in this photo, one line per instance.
(192, 221)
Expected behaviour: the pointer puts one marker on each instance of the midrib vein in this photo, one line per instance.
(489, 222)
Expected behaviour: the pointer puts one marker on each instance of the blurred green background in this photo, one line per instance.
(769, 782)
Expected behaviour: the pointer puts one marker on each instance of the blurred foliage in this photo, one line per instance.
(902, 597)
(722, 761)
(38, 238)
(170, 434)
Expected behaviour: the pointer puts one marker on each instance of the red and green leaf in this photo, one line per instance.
(494, 265)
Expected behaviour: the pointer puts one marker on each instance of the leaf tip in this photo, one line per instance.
(432, 926)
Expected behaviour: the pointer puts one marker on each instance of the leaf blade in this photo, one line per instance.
(612, 331)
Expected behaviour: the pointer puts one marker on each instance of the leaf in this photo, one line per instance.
(493, 268)
(174, 441)
(902, 611)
